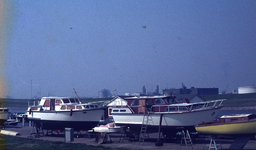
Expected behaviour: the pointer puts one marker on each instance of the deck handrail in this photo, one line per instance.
(189, 106)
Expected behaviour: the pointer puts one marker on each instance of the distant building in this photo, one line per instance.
(104, 93)
(192, 90)
(144, 91)
(205, 91)
(246, 89)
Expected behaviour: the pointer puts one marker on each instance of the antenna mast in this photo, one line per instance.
(77, 95)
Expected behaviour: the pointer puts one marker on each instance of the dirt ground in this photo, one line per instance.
(114, 140)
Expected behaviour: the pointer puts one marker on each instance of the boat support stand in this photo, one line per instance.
(213, 144)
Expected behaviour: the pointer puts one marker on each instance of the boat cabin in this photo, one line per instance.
(234, 118)
(59, 104)
(237, 118)
(155, 104)
(3, 109)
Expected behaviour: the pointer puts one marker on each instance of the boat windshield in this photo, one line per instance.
(65, 100)
(159, 101)
(135, 102)
(72, 100)
(168, 100)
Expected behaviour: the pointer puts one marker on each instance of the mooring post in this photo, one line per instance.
(23, 121)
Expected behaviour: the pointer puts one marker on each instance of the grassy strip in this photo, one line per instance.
(23, 103)
(234, 100)
(17, 143)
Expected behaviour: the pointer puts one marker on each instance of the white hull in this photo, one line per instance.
(58, 113)
(168, 119)
(115, 129)
(59, 120)
(133, 112)
(89, 115)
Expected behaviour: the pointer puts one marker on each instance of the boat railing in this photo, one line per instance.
(195, 106)
(135, 109)
(212, 103)
(178, 107)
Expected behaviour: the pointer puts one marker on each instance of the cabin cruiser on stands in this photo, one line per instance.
(164, 111)
(58, 113)
(235, 124)
(3, 115)
(241, 127)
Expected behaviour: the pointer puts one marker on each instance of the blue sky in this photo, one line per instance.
(124, 45)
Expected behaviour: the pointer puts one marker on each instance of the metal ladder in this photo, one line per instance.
(144, 125)
(123, 134)
(187, 139)
(213, 144)
(36, 131)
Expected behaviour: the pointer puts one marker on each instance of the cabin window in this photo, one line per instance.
(71, 107)
(65, 100)
(159, 101)
(58, 102)
(86, 106)
(91, 106)
(135, 102)
(47, 103)
(183, 108)
(72, 100)
(115, 110)
(78, 107)
(171, 109)
(123, 110)
(197, 106)
(3, 109)
(234, 119)
(63, 107)
(168, 100)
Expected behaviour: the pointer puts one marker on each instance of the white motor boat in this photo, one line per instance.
(3, 115)
(108, 128)
(58, 113)
(163, 111)
(11, 122)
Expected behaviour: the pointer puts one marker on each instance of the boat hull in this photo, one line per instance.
(3, 116)
(248, 127)
(59, 120)
(171, 122)
(115, 129)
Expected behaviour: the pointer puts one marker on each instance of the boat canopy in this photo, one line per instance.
(118, 102)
